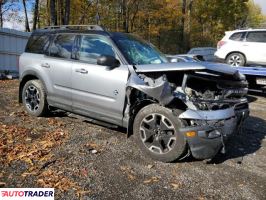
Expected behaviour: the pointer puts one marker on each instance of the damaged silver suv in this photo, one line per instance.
(171, 109)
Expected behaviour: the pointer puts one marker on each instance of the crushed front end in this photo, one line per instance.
(217, 107)
(213, 99)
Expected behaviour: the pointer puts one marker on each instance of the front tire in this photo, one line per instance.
(156, 131)
(34, 98)
(236, 59)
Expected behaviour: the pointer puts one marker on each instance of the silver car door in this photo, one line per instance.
(60, 64)
(98, 91)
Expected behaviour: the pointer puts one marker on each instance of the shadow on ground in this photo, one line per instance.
(251, 99)
(249, 141)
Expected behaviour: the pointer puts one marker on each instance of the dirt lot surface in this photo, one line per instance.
(59, 151)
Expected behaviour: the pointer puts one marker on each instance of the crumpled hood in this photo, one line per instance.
(163, 67)
(219, 68)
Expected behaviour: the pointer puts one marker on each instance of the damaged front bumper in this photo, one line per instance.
(211, 129)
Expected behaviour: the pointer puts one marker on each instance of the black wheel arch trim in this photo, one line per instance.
(23, 79)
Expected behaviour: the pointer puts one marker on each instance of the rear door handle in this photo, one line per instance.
(46, 65)
(82, 71)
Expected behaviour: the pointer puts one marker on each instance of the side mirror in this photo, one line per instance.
(109, 61)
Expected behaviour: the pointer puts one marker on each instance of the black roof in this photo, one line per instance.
(54, 31)
(98, 32)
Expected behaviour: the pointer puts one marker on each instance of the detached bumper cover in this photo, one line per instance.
(214, 129)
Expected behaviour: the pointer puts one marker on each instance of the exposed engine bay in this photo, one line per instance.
(206, 91)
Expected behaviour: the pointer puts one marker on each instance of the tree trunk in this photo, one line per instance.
(58, 13)
(1, 16)
(27, 27)
(36, 14)
(67, 12)
(61, 5)
(48, 16)
(190, 5)
(53, 13)
(124, 13)
(98, 22)
(183, 23)
(38, 22)
(1, 20)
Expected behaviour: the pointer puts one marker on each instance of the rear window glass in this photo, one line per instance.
(259, 36)
(37, 44)
(238, 36)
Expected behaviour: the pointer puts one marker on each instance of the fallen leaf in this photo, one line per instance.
(147, 181)
(131, 177)
(150, 166)
(84, 172)
(201, 198)
(175, 185)
(94, 151)
(27, 174)
(151, 180)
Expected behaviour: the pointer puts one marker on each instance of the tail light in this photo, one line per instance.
(220, 44)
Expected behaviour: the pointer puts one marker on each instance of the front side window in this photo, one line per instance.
(259, 36)
(62, 46)
(92, 47)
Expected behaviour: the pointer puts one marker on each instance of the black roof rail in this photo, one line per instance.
(75, 27)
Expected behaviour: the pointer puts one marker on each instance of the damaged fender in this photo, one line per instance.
(158, 89)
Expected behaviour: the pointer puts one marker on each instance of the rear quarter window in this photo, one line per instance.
(238, 36)
(37, 44)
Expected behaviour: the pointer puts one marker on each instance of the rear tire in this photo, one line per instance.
(236, 59)
(34, 98)
(156, 133)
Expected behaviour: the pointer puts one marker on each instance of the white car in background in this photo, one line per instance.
(243, 47)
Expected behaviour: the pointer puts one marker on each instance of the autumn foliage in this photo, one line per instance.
(172, 25)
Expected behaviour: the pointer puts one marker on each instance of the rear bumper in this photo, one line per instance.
(220, 55)
(212, 134)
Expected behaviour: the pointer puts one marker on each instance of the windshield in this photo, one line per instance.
(137, 51)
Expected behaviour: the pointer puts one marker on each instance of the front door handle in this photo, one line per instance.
(82, 71)
(46, 65)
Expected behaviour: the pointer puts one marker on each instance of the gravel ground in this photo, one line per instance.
(86, 161)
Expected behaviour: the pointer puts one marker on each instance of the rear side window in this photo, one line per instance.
(92, 46)
(259, 36)
(62, 46)
(37, 44)
(238, 36)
